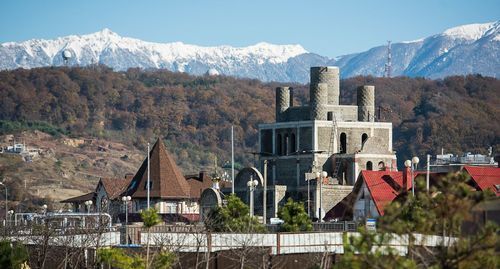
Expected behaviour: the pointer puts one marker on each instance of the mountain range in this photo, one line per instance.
(466, 49)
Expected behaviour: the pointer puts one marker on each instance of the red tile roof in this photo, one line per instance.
(80, 199)
(166, 177)
(198, 183)
(485, 177)
(384, 186)
(114, 187)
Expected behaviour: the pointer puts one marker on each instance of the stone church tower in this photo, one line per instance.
(325, 136)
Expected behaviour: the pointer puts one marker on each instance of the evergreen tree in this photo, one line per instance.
(445, 210)
(233, 217)
(295, 217)
(12, 255)
(150, 218)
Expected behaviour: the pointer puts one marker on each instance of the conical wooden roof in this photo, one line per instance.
(167, 181)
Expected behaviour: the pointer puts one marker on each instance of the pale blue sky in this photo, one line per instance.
(330, 28)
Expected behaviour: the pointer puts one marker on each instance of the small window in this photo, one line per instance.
(285, 146)
(364, 137)
(150, 184)
(381, 166)
(369, 166)
(343, 143)
(329, 116)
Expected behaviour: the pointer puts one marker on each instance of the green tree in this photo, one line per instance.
(233, 217)
(150, 218)
(164, 260)
(116, 258)
(295, 217)
(12, 255)
(445, 210)
(364, 251)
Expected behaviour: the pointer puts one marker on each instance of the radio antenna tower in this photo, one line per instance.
(388, 65)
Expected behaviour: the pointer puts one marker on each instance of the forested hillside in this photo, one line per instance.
(194, 114)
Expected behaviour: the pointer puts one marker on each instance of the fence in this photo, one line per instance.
(197, 240)
(280, 243)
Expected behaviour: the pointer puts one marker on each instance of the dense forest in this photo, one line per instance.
(194, 114)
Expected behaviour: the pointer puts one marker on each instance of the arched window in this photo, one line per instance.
(381, 166)
(364, 137)
(343, 143)
(278, 145)
(369, 165)
(293, 143)
(285, 146)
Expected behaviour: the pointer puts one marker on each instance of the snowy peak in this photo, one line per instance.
(109, 48)
(471, 31)
(461, 50)
(466, 49)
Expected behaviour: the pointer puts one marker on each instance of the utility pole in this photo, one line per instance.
(232, 159)
(265, 193)
(149, 182)
(427, 176)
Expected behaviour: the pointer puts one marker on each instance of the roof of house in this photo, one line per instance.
(486, 178)
(80, 199)
(114, 187)
(166, 178)
(198, 183)
(384, 186)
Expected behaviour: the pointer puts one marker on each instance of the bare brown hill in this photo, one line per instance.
(62, 167)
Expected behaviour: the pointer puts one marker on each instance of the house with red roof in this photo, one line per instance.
(374, 190)
(107, 195)
(171, 193)
(485, 178)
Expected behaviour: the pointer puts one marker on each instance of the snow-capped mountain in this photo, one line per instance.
(262, 60)
(473, 48)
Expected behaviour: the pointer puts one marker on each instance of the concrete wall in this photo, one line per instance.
(343, 112)
(298, 113)
(332, 195)
(306, 139)
(379, 139)
(286, 172)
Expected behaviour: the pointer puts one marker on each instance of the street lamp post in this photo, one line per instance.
(414, 165)
(6, 201)
(11, 212)
(321, 176)
(252, 184)
(125, 200)
(308, 199)
(88, 203)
